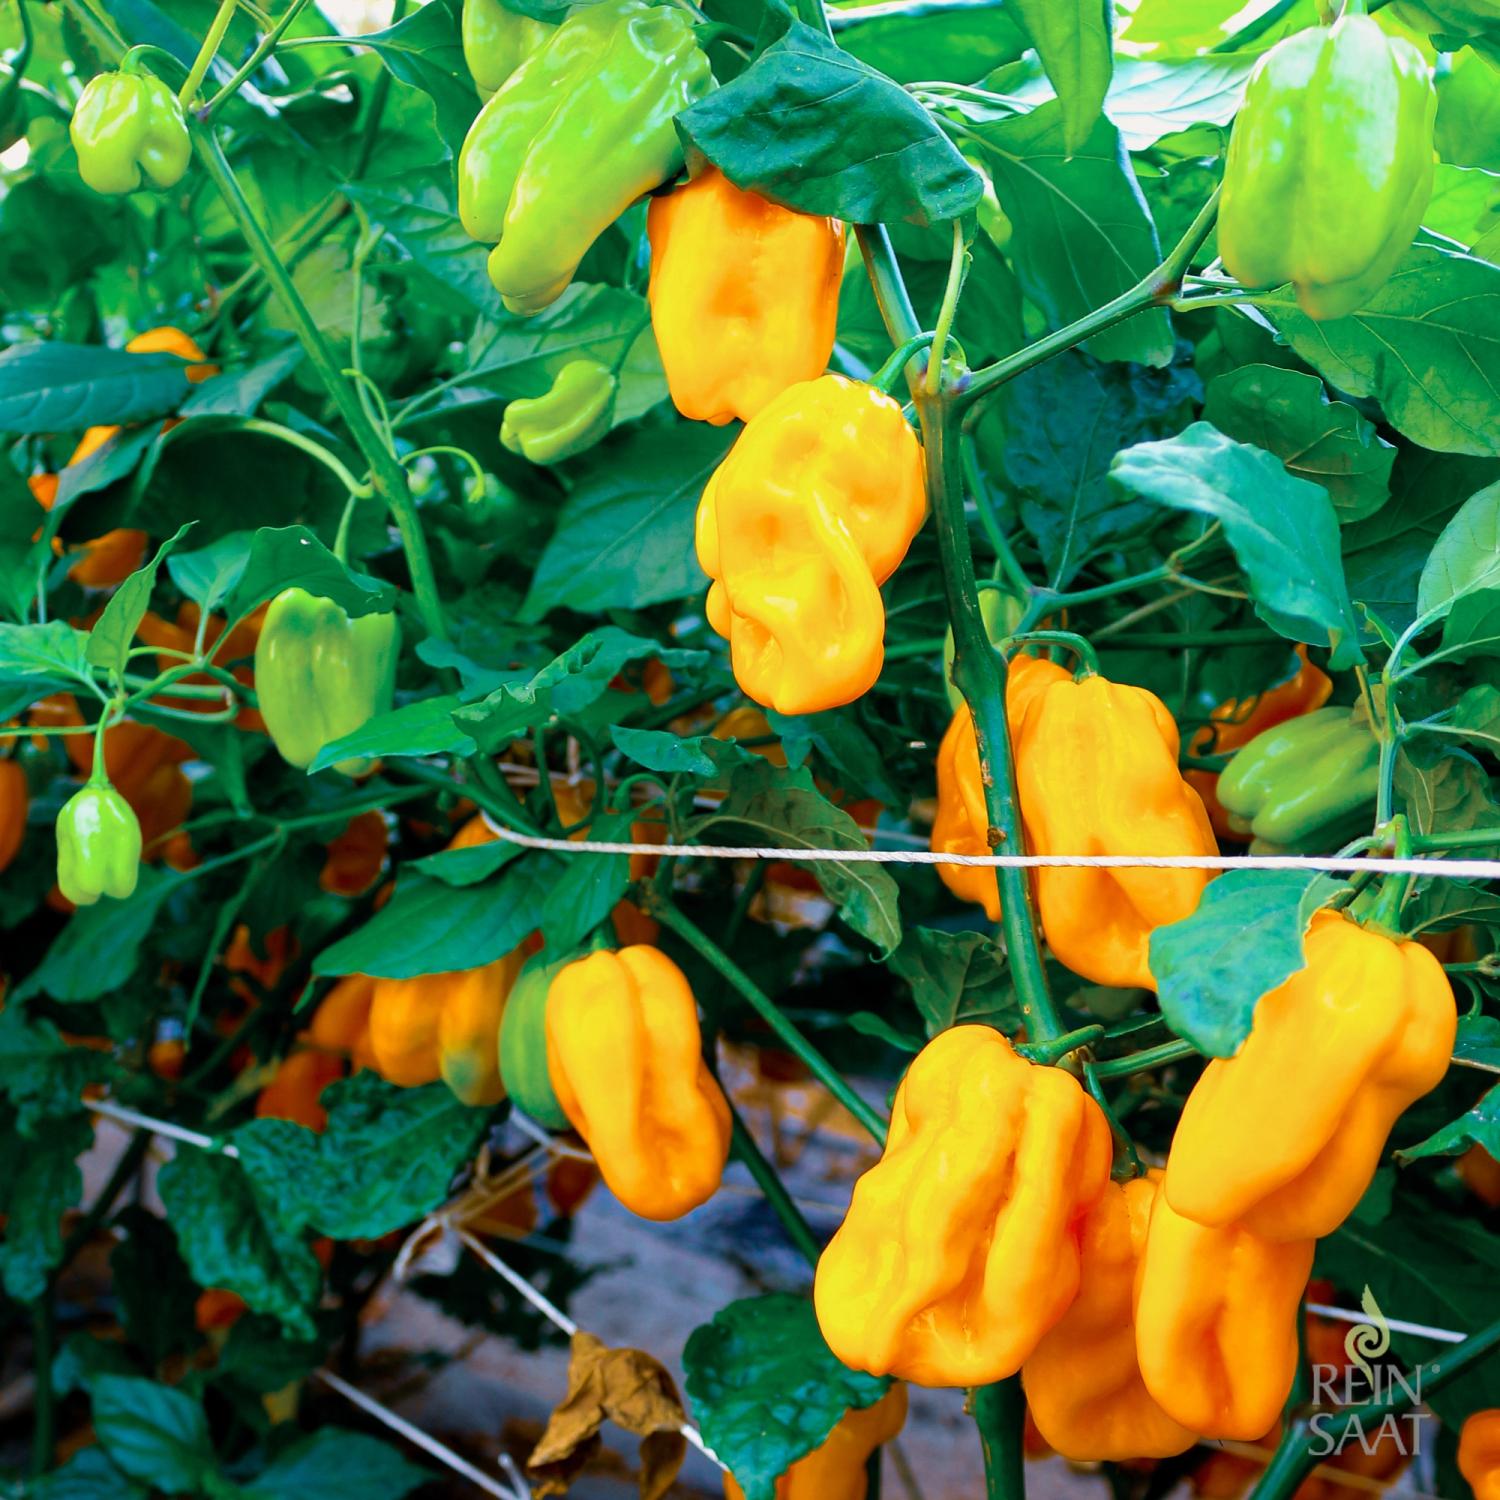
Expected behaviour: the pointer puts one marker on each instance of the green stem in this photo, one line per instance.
(947, 312)
(1088, 659)
(1464, 838)
(743, 1148)
(263, 50)
(1144, 1061)
(493, 793)
(207, 52)
(357, 488)
(891, 297)
(16, 68)
(1386, 913)
(1049, 1053)
(125, 1168)
(666, 912)
(894, 368)
(378, 97)
(1000, 1413)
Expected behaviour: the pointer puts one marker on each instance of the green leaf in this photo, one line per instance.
(960, 39)
(1478, 1040)
(36, 660)
(1464, 203)
(1479, 1127)
(1282, 529)
(956, 978)
(767, 805)
(624, 537)
(1244, 939)
(292, 557)
(234, 1233)
(812, 128)
(766, 1389)
(698, 755)
(1445, 790)
(56, 387)
(209, 574)
(88, 1475)
(431, 927)
(588, 888)
(43, 1076)
(155, 1433)
(1074, 40)
(334, 1464)
(1426, 347)
(1288, 413)
(425, 50)
(466, 866)
(37, 1187)
(239, 393)
(1151, 98)
(114, 630)
(1460, 582)
(425, 727)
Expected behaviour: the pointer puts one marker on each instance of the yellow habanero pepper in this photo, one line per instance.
(1479, 1453)
(1334, 1054)
(624, 1055)
(810, 512)
(1096, 770)
(744, 296)
(1083, 1382)
(961, 1246)
(1216, 1315)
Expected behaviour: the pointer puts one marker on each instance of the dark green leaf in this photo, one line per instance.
(239, 393)
(37, 1186)
(425, 51)
(292, 557)
(1074, 39)
(114, 630)
(956, 978)
(58, 387)
(208, 574)
(334, 1464)
(155, 1433)
(1479, 1127)
(425, 727)
(588, 888)
(88, 1475)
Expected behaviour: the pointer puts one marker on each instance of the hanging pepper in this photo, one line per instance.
(1216, 1315)
(569, 419)
(15, 799)
(624, 1054)
(574, 136)
(497, 41)
(1479, 1453)
(98, 846)
(523, 1044)
(1340, 115)
(1096, 771)
(1335, 1054)
(835, 1469)
(1300, 782)
(320, 675)
(961, 1245)
(341, 1023)
(744, 296)
(1237, 721)
(129, 125)
(295, 1091)
(962, 823)
(1083, 1381)
(810, 512)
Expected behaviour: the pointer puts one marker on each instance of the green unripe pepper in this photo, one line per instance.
(320, 675)
(571, 417)
(1293, 782)
(98, 846)
(523, 1044)
(497, 41)
(1330, 165)
(129, 125)
(574, 136)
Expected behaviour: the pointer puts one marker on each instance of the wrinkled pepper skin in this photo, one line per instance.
(574, 136)
(809, 513)
(1479, 1453)
(744, 296)
(569, 419)
(961, 825)
(1216, 1314)
(623, 1052)
(1096, 770)
(497, 41)
(127, 126)
(1307, 774)
(1083, 1382)
(1330, 165)
(320, 675)
(523, 1045)
(961, 1245)
(835, 1469)
(1237, 721)
(15, 800)
(1285, 1135)
(98, 846)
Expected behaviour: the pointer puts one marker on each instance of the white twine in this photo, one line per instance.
(1396, 1325)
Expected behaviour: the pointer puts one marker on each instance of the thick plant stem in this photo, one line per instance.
(999, 1412)
(207, 52)
(663, 909)
(744, 1148)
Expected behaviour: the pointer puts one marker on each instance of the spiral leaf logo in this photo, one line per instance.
(1368, 1340)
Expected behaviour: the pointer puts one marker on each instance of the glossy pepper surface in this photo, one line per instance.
(835, 1469)
(1302, 777)
(15, 800)
(578, 132)
(962, 823)
(744, 296)
(1286, 1134)
(961, 1245)
(98, 846)
(1096, 771)
(129, 126)
(320, 675)
(624, 1053)
(1330, 165)
(1479, 1453)
(523, 1044)
(496, 41)
(1216, 1313)
(569, 418)
(809, 513)
(1237, 721)
(1083, 1381)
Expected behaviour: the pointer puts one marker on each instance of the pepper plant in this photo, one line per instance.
(466, 476)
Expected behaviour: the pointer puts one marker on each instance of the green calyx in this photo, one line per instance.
(128, 127)
(571, 417)
(98, 846)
